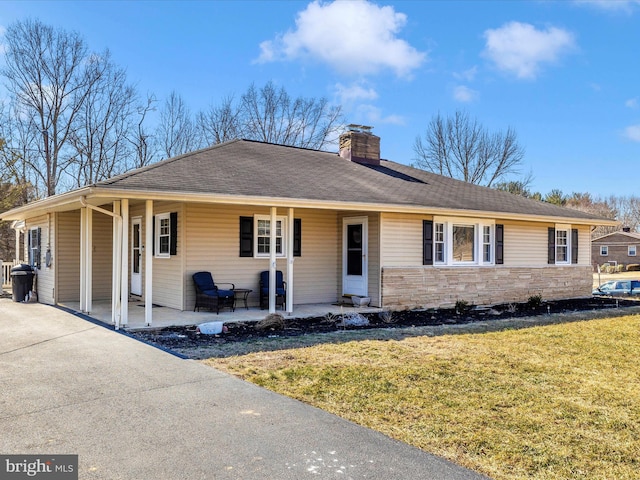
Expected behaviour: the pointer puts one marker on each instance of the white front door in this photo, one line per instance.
(354, 256)
(136, 256)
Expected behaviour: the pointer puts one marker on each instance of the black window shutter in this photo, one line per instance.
(574, 245)
(499, 244)
(246, 236)
(427, 242)
(297, 237)
(153, 235)
(38, 248)
(552, 246)
(173, 239)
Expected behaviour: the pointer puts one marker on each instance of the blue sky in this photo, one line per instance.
(564, 74)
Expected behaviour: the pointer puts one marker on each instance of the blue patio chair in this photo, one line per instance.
(281, 290)
(209, 295)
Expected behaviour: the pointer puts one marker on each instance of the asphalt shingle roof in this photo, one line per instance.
(256, 169)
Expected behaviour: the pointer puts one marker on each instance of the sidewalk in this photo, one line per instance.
(133, 412)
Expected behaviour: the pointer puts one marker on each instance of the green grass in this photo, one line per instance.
(552, 402)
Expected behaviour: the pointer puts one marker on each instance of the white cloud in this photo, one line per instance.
(611, 5)
(464, 94)
(372, 115)
(631, 103)
(353, 37)
(521, 49)
(633, 133)
(354, 92)
(468, 75)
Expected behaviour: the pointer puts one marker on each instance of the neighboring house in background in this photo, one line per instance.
(619, 248)
(347, 223)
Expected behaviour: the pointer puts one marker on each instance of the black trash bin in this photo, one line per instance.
(21, 282)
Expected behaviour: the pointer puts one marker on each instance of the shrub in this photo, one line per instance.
(387, 316)
(534, 301)
(273, 321)
(607, 268)
(633, 267)
(353, 319)
(463, 307)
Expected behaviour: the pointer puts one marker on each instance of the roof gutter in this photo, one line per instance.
(287, 202)
(109, 194)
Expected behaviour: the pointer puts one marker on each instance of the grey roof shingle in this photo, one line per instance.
(256, 169)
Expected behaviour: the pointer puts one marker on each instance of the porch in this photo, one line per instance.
(169, 317)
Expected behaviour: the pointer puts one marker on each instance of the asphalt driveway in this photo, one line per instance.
(133, 412)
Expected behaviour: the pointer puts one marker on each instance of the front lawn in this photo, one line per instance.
(552, 402)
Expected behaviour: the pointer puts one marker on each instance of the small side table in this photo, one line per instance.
(244, 292)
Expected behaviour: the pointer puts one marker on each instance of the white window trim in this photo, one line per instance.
(604, 250)
(283, 222)
(567, 230)
(158, 219)
(33, 261)
(478, 254)
(635, 250)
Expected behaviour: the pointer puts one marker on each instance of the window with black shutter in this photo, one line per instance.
(427, 242)
(499, 244)
(551, 251)
(248, 240)
(246, 236)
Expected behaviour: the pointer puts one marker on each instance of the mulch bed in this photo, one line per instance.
(190, 337)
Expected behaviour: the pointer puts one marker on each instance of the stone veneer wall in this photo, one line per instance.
(433, 287)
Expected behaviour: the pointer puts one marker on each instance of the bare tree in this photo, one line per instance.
(176, 132)
(268, 114)
(100, 128)
(50, 74)
(219, 123)
(460, 147)
(17, 153)
(144, 143)
(627, 211)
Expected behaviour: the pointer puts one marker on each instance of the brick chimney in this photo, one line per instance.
(359, 145)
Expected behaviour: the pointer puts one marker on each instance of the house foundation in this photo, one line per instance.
(433, 287)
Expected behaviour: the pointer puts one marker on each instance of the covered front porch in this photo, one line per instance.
(169, 317)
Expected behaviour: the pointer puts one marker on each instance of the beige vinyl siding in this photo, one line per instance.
(67, 257)
(45, 275)
(374, 279)
(525, 244)
(213, 244)
(102, 256)
(584, 245)
(401, 239)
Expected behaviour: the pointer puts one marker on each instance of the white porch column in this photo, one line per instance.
(89, 259)
(124, 266)
(272, 261)
(116, 243)
(148, 263)
(290, 259)
(83, 259)
(16, 259)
